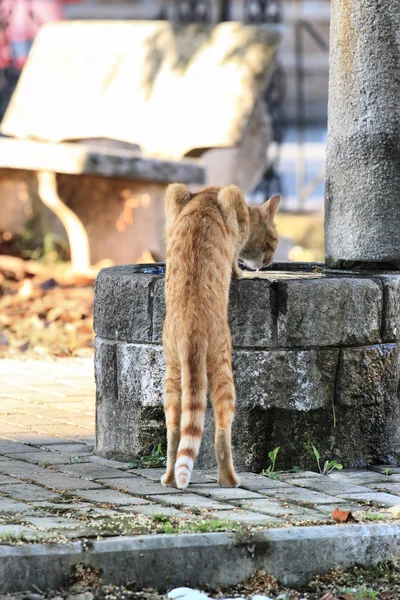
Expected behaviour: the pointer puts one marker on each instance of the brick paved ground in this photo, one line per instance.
(51, 484)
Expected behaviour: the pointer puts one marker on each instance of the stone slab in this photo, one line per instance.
(123, 308)
(198, 477)
(113, 464)
(359, 477)
(137, 485)
(26, 492)
(91, 471)
(8, 447)
(223, 493)
(257, 483)
(300, 380)
(279, 509)
(327, 486)
(61, 482)
(6, 479)
(244, 516)
(374, 497)
(105, 496)
(371, 373)
(46, 523)
(8, 505)
(389, 487)
(200, 559)
(302, 496)
(42, 458)
(192, 501)
(156, 509)
(70, 448)
(329, 312)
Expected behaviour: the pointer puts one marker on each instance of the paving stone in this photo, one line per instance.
(138, 485)
(6, 479)
(47, 477)
(105, 496)
(359, 477)
(156, 474)
(113, 464)
(224, 493)
(156, 509)
(300, 475)
(17, 468)
(244, 516)
(90, 470)
(70, 448)
(389, 487)
(280, 509)
(328, 486)
(375, 497)
(192, 500)
(258, 482)
(327, 509)
(34, 437)
(60, 481)
(18, 530)
(54, 522)
(26, 492)
(40, 457)
(63, 507)
(303, 495)
(9, 447)
(8, 505)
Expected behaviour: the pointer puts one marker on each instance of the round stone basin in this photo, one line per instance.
(315, 360)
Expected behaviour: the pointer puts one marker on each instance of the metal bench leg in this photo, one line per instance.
(77, 236)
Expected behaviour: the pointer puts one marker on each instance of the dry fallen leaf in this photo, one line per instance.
(343, 516)
(395, 511)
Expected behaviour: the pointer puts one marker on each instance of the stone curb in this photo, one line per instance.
(292, 555)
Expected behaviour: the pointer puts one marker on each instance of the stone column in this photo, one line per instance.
(362, 199)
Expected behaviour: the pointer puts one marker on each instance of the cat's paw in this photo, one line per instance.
(229, 480)
(168, 480)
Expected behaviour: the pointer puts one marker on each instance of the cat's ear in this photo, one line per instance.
(270, 207)
(176, 197)
(177, 194)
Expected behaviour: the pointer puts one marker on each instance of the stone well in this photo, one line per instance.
(315, 362)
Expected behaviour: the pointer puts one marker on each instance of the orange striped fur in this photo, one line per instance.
(206, 232)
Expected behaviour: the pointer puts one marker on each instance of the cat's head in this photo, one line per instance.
(263, 240)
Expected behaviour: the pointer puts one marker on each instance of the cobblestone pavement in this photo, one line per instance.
(51, 484)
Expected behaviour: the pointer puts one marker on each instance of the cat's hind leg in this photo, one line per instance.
(172, 409)
(222, 391)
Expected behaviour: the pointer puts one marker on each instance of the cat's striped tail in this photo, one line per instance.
(193, 358)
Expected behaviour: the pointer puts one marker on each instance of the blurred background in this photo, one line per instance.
(46, 304)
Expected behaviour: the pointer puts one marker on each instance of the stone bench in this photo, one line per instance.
(86, 185)
(111, 124)
(315, 359)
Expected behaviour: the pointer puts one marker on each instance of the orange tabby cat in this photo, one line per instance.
(206, 233)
